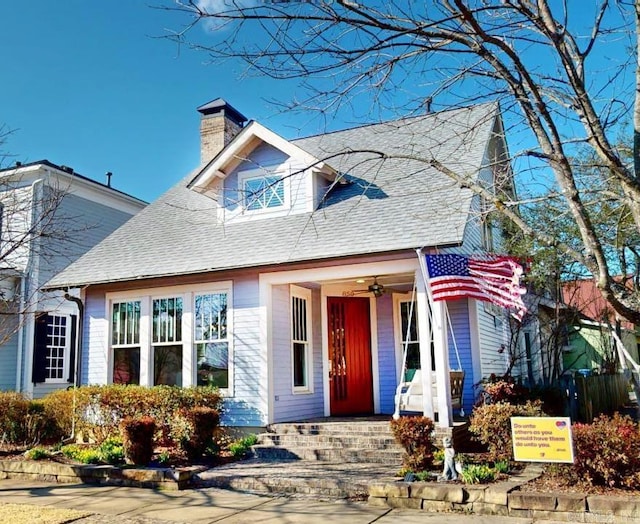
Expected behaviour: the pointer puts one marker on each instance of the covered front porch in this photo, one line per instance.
(357, 332)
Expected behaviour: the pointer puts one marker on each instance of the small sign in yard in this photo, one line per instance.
(542, 439)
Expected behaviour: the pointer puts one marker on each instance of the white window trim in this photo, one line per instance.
(398, 299)
(304, 294)
(282, 172)
(67, 351)
(187, 293)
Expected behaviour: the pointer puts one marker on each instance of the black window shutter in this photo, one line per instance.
(73, 337)
(39, 371)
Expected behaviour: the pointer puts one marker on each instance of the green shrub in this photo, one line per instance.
(414, 434)
(194, 428)
(477, 474)
(98, 410)
(490, 425)
(241, 447)
(501, 466)
(37, 453)
(606, 453)
(82, 453)
(137, 438)
(22, 421)
(112, 451)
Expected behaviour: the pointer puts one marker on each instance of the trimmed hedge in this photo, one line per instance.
(22, 421)
(98, 410)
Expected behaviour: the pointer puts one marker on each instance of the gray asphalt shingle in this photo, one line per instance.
(394, 201)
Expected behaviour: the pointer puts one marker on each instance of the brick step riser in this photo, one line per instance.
(308, 487)
(390, 457)
(323, 441)
(378, 430)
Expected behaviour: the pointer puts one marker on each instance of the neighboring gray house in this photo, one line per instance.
(50, 216)
(282, 270)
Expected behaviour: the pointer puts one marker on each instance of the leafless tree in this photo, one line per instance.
(566, 75)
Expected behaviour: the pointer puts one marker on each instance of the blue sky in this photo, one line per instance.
(86, 84)
(92, 85)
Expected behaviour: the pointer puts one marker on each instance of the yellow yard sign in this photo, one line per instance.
(542, 439)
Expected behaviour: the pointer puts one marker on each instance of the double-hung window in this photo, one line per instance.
(409, 337)
(211, 339)
(301, 339)
(125, 342)
(57, 347)
(167, 341)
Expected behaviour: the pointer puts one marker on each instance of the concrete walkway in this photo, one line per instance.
(143, 506)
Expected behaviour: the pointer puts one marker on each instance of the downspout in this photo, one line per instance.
(78, 362)
(79, 332)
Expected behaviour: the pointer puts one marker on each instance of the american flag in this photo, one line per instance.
(494, 280)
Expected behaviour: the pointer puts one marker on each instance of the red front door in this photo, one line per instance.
(350, 377)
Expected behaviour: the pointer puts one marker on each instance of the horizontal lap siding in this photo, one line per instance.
(248, 406)
(386, 353)
(83, 224)
(8, 363)
(95, 350)
(288, 405)
(492, 338)
(459, 315)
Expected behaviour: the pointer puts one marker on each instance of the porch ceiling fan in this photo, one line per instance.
(375, 288)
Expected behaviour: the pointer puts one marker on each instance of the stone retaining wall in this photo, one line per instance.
(161, 478)
(506, 499)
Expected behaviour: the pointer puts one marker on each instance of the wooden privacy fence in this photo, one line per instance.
(590, 396)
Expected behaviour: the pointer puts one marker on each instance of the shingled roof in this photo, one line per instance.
(394, 201)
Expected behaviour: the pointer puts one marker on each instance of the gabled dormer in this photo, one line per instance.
(254, 173)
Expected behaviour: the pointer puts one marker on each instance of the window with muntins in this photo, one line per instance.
(211, 339)
(57, 347)
(125, 342)
(167, 341)
(301, 340)
(264, 192)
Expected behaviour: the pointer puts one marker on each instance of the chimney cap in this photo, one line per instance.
(220, 106)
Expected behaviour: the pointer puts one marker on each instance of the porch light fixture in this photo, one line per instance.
(376, 289)
(360, 281)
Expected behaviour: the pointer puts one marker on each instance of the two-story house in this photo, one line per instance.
(287, 272)
(50, 217)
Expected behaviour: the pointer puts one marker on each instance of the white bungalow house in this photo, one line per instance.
(282, 271)
(49, 216)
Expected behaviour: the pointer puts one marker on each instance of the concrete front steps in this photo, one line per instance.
(366, 441)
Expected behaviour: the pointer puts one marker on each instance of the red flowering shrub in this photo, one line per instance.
(137, 439)
(607, 452)
(504, 391)
(414, 434)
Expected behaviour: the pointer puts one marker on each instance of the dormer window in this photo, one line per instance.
(263, 192)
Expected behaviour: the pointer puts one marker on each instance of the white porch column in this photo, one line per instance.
(424, 338)
(441, 348)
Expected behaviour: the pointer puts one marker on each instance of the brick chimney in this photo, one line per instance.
(220, 123)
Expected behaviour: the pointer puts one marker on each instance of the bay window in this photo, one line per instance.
(171, 336)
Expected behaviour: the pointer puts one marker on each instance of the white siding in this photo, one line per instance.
(95, 339)
(248, 404)
(287, 404)
(82, 224)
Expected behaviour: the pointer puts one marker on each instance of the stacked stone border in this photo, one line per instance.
(505, 499)
(157, 478)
